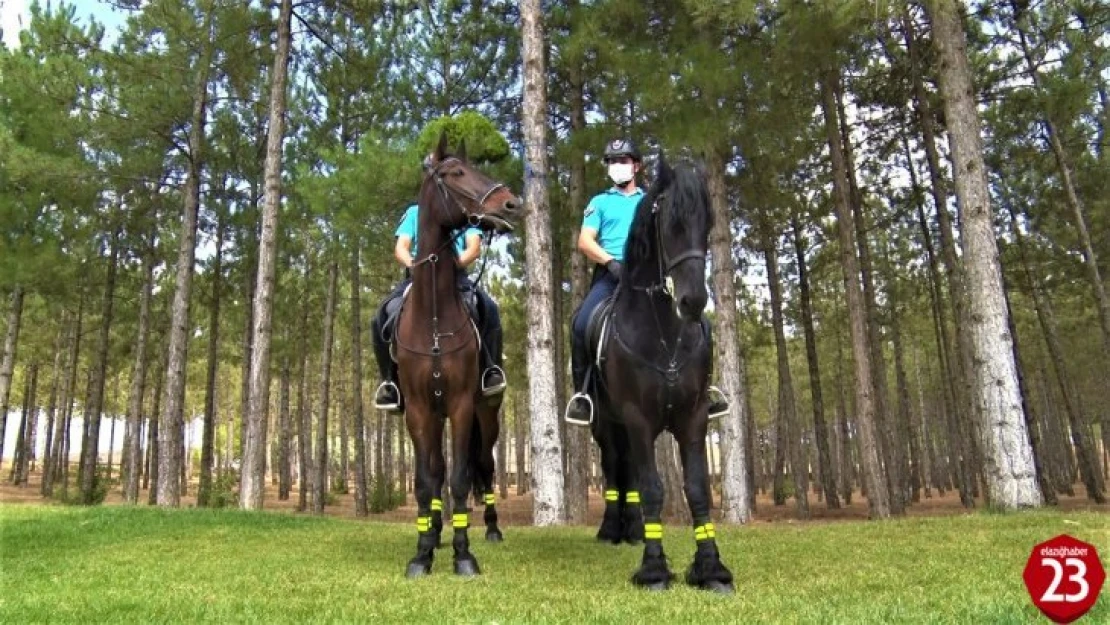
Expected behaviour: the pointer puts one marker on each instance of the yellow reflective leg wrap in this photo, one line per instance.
(490, 499)
(612, 495)
(705, 532)
(632, 496)
(437, 505)
(460, 520)
(423, 523)
(653, 531)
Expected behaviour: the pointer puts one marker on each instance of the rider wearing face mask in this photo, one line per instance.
(606, 223)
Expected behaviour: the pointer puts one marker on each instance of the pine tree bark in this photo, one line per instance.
(787, 409)
(908, 433)
(25, 441)
(7, 365)
(204, 489)
(321, 465)
(827, 468)
(874, 477)
(285, 471)
(518, 427)
(736, 498)
(548, 507)
(59, 461)
(961, 415)
(304, 412)
(57, 371)
(171, 419)
(138, 381)
(254, 453)
(1008, 468)
(578, 439)
(357, 415)
(94, 405)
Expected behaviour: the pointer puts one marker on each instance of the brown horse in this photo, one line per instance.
(437, 357)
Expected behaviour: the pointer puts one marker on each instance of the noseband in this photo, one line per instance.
(667, 264)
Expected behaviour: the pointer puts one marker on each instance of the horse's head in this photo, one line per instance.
(469, 196)
(683, 219)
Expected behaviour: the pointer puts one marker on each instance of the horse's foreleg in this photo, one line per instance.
(426, 485)
(462, 421)
(706, 571)
(653, 572)
(610, 530)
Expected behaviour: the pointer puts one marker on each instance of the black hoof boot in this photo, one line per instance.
(466, 566)
(493, 535)
(708, 572)
(653, 573)
(418, 567)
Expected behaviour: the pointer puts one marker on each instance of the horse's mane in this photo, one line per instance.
(688, 195)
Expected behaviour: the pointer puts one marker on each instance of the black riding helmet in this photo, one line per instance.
(622, 147)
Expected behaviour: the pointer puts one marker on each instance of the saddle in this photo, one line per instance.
(393, 306)
(598, 330)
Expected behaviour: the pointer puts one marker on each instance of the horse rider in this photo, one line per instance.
(606, 223)
(468, 246)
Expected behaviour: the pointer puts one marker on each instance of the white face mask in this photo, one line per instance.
(620, 173)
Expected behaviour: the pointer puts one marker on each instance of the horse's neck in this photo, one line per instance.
(653, 307)
(433, 283)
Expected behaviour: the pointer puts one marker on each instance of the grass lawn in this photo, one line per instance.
(117, 564)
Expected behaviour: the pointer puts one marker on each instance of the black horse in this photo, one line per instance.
(655, 359)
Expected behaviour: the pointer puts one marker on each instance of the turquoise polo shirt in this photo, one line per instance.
(610, 213)
(408, 224)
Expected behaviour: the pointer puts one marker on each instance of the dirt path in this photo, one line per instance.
(517, 510)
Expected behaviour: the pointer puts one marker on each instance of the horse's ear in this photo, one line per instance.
(663, 172)
(462, 150)
(441, 148)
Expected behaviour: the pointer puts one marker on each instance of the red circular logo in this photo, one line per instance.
(1064, 577)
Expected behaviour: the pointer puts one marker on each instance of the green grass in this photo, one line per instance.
(118, 564)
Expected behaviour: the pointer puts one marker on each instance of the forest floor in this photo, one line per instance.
(123, 564)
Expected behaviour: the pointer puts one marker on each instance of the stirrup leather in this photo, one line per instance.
(393, 406)
(496, 389)
(589, 402)
(709, 394)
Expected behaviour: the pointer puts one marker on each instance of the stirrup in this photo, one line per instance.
(388, 407)
(724, 398)
(497, 388)
(589, 402)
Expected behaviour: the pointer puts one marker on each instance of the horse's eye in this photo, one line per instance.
(458, 173)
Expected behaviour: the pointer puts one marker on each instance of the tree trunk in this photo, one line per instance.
(254, 454)
(204, 490)
(908, 434)
(548, 507)
(578, 439)
(7, 365)
(357, 414)
(152, 436)
(25, 443)
(1085, 451)
(304, 412)
(1007, 458)
(735, 495)
(874, 476)
(285, 472)
(518, 427)
(171, 419)
(787, 410)
(138, 381)
(960, 415)
(94, 405)
(57, 371)
(321, 482)
(820, 431)
(666, 458)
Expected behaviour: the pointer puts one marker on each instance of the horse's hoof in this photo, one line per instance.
(656, 586)
(418, 569)
(467, 567)
(721, 588)
(494, 536)
(631, 540)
